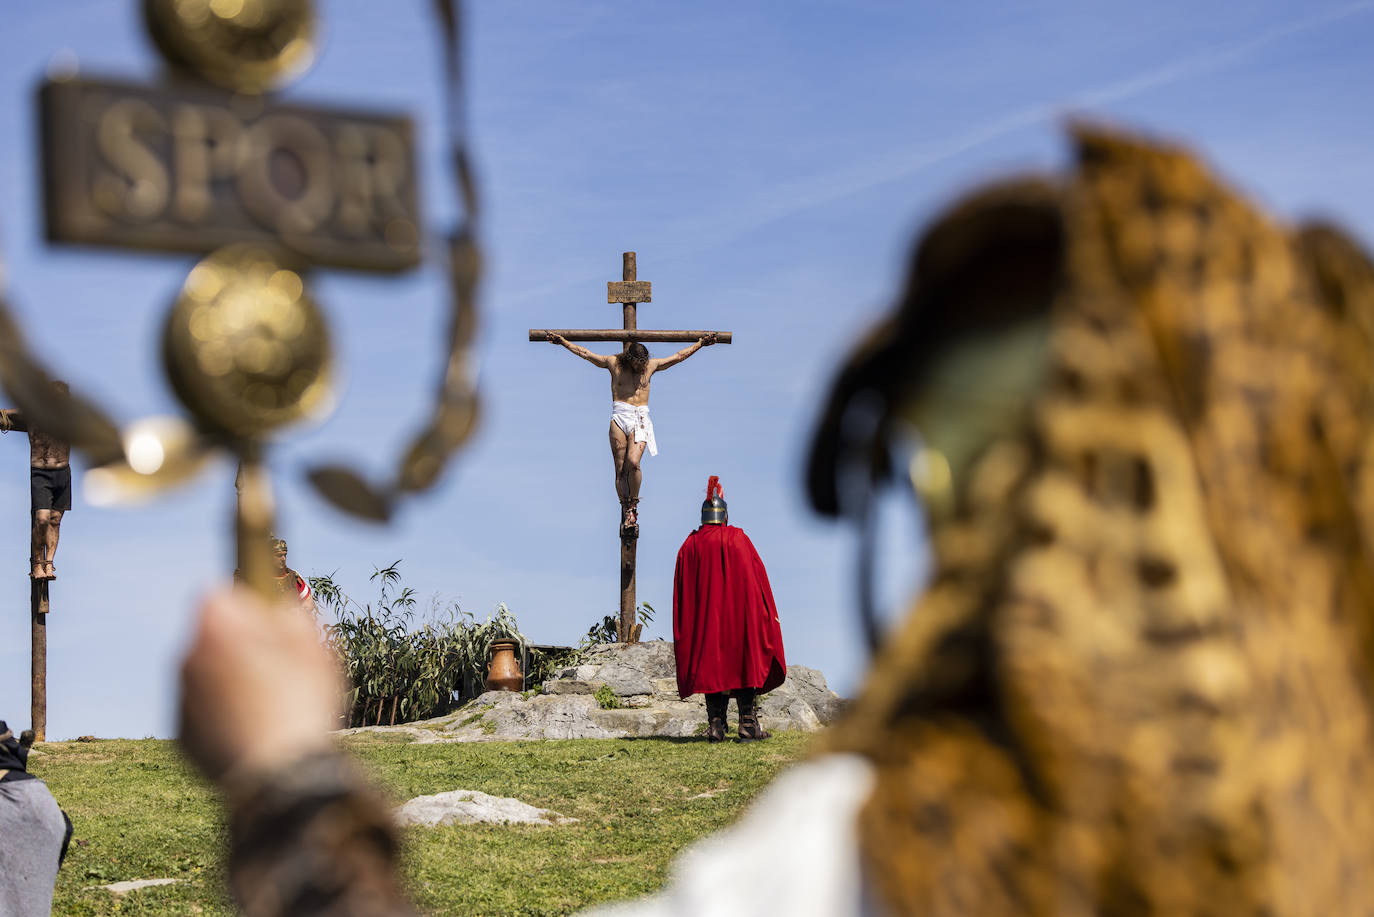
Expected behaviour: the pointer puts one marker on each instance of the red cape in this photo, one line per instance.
(726, 633)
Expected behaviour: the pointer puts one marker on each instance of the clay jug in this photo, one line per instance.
(503, 674)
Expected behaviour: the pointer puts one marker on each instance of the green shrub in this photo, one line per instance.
(606, 698)
(400, 669)
(607, 629)
(544, 664)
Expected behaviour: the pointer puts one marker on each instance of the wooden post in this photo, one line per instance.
(629, 272)
(629, 540)
(38, 689)
(625, 631)
(629, 291)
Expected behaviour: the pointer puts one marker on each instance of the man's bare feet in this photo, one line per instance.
(49, 571)
(631, 517)
(37, 572)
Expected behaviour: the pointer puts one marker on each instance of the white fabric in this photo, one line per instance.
(634, 419)
(794, 852)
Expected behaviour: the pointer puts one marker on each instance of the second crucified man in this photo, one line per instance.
(50, 478)
(631, 430)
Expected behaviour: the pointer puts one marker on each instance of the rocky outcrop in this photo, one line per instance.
(628, 691)
(619, 690)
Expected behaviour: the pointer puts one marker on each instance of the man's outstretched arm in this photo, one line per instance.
(11, 419)
(706, 340)
(600, 359)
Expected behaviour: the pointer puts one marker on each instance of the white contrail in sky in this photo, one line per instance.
(788, 198)
(1215, 58)
(814, 191)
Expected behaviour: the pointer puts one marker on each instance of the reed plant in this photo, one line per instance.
(403, 665)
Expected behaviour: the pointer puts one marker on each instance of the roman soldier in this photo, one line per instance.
(726, 633)
(286, 583)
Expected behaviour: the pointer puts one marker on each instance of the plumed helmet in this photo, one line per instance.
(713, 507)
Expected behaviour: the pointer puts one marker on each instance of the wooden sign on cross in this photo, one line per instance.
(629, 291)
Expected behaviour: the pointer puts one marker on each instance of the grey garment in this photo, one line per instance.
(31, 834)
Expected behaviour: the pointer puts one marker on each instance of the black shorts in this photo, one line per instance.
(51, 488)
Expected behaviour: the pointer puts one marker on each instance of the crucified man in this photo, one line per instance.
(631, 430)
(50, 486)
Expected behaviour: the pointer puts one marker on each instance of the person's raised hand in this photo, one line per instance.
(708, 339)
(258, 689)
(553, 338)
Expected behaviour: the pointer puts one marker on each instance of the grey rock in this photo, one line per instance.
(470, 807)
(632, 722)
(653, 659)
(624, 680)
(633, 668)
(123, 888)
(686, 718)
(808, 685)
(418, 733)
(543, 716)
(570, 686)
(782, 712)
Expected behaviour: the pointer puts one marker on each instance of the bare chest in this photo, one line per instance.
(629, 387)
(46, 451)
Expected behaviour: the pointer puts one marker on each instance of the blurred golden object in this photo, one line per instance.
(160, 452)
(245, 346)
(932, 479)
(244, 45)
(1139, 679)
(189, 168)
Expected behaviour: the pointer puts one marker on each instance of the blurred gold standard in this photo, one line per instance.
(207, 161)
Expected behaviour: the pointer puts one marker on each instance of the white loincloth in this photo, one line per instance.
(634, 419)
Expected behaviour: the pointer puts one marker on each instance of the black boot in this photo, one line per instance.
(716, 705)
(749, 728)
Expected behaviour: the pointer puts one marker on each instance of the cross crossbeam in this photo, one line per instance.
(619, 335)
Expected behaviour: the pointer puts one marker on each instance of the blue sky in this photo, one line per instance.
(770, 162)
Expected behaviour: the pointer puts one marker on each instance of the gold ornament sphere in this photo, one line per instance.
(243, 45)
(245, 346)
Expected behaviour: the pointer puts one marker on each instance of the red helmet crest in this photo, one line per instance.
(713, 507)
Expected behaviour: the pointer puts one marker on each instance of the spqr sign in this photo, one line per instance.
(194, 169)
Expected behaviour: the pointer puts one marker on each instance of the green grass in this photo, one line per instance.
(140, 813)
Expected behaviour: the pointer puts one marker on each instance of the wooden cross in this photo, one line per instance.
(38, 630)
(629, 291)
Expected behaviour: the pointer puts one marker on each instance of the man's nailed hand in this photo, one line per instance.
(553, 338)
(708, 339)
